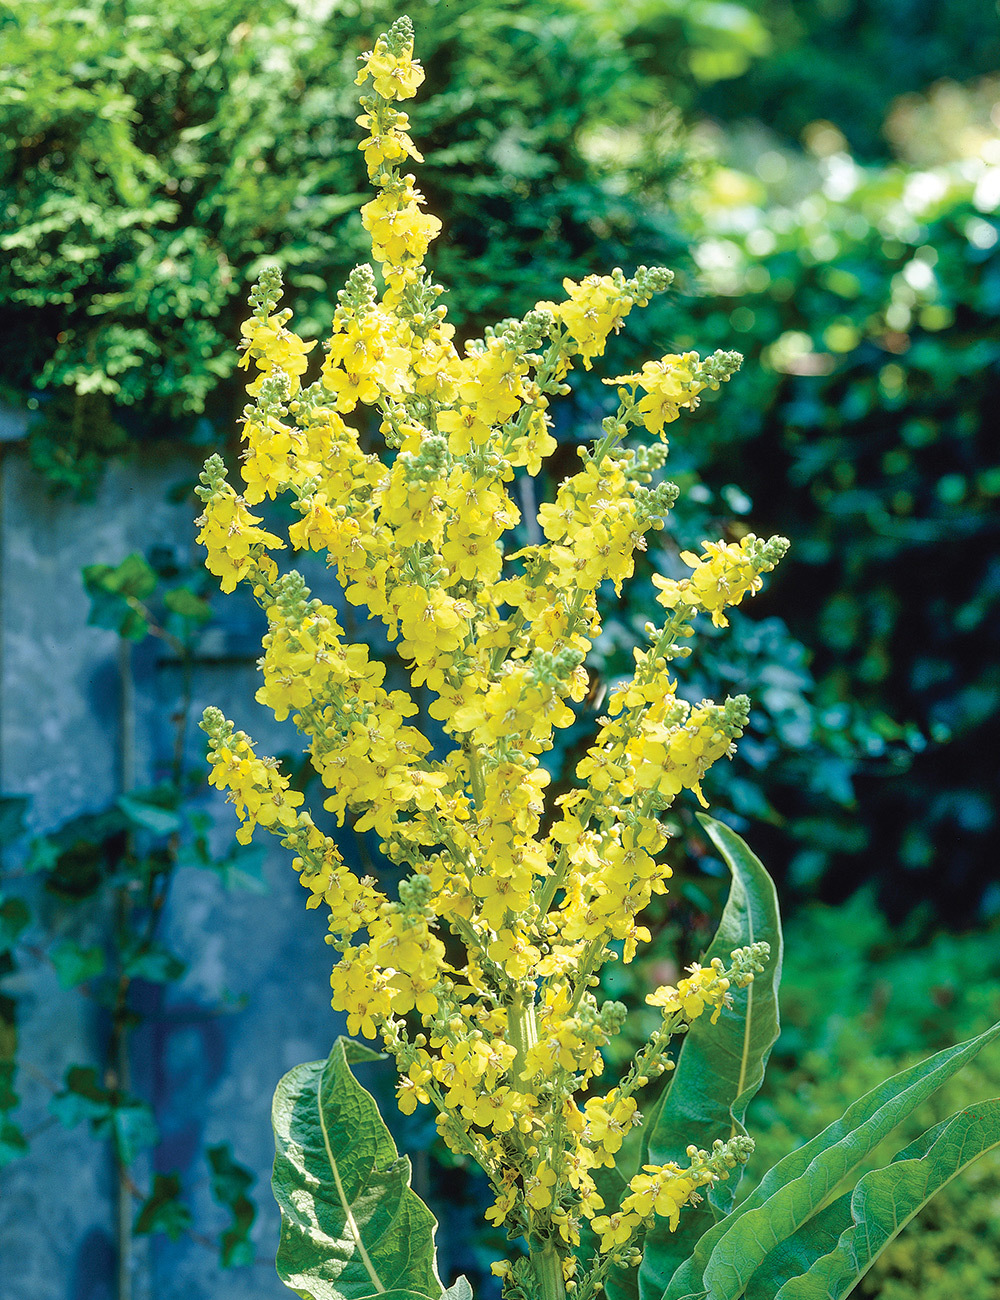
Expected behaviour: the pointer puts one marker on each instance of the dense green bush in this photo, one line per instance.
(858, 1002)
(162, 150)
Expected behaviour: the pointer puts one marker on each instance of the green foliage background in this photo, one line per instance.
(162, 152)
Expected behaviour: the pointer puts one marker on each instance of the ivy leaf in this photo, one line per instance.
(150, 816)
(134, 576)
(230, 1184)
(116, 595)
(184, 602)
(720, 1067)
(163, 1210)
(126, 1120)
(12, 810)
(81, 1098)
(351, 1226)
(15, 915)
(9, 1099)
(74, 964)
(13, 1143)
(153, 962)
(134, 1128)
(43, 855)
(243, 868)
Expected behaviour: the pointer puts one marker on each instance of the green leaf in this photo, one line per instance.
(82, 1098)
(230, 1184)
(229, 1179)
(163, 1210)
(134, 1128)
(126, 1120)
(721, 1066)
(800, 1185)
(460, 1289)
(12, 810)
(43, 855)
(15, 916)
(74, 964)
(116, 596)
(183, 601)
(150, 816)
(798, 1252)
(235, 1247)
(153, 962)
(13, 1143)
(133, 577)
(885, 1200)
(351, 1227)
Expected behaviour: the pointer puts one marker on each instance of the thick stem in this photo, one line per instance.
(523, 1030)
(476, 776)
(547, 1268)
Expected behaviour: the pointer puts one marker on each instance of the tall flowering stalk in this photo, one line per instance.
(479, 979)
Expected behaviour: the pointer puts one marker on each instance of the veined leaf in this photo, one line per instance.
(460, 1289)
(721, 1066)
(885, 1200)
(801, 1184)
(351, 1227)
(799, 1252)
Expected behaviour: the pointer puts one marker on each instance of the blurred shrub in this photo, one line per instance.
(859, 1002)
(846, 59)
(685, 45)
(862, 427)
(161, 151)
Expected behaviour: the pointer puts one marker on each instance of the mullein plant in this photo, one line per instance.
(479, 979)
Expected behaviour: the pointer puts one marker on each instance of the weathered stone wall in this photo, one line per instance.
(255, 1000)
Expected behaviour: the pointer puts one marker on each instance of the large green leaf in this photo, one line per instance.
(797, 1253)
(721, 1066)
(885, 1200)
(802, 1184)
(351, 1227)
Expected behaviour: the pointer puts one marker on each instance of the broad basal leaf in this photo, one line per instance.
(351, 1227)
(885, 1200)
(801, 1184)
(721, 1066)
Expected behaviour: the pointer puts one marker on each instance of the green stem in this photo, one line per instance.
(523, 1029)
(476, 776)
(547, 1268)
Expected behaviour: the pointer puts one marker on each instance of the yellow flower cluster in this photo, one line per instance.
(722, 576)
(674, 384)
(704, 988)
(479, 977)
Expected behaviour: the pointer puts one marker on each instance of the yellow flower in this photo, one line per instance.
(394, 76)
